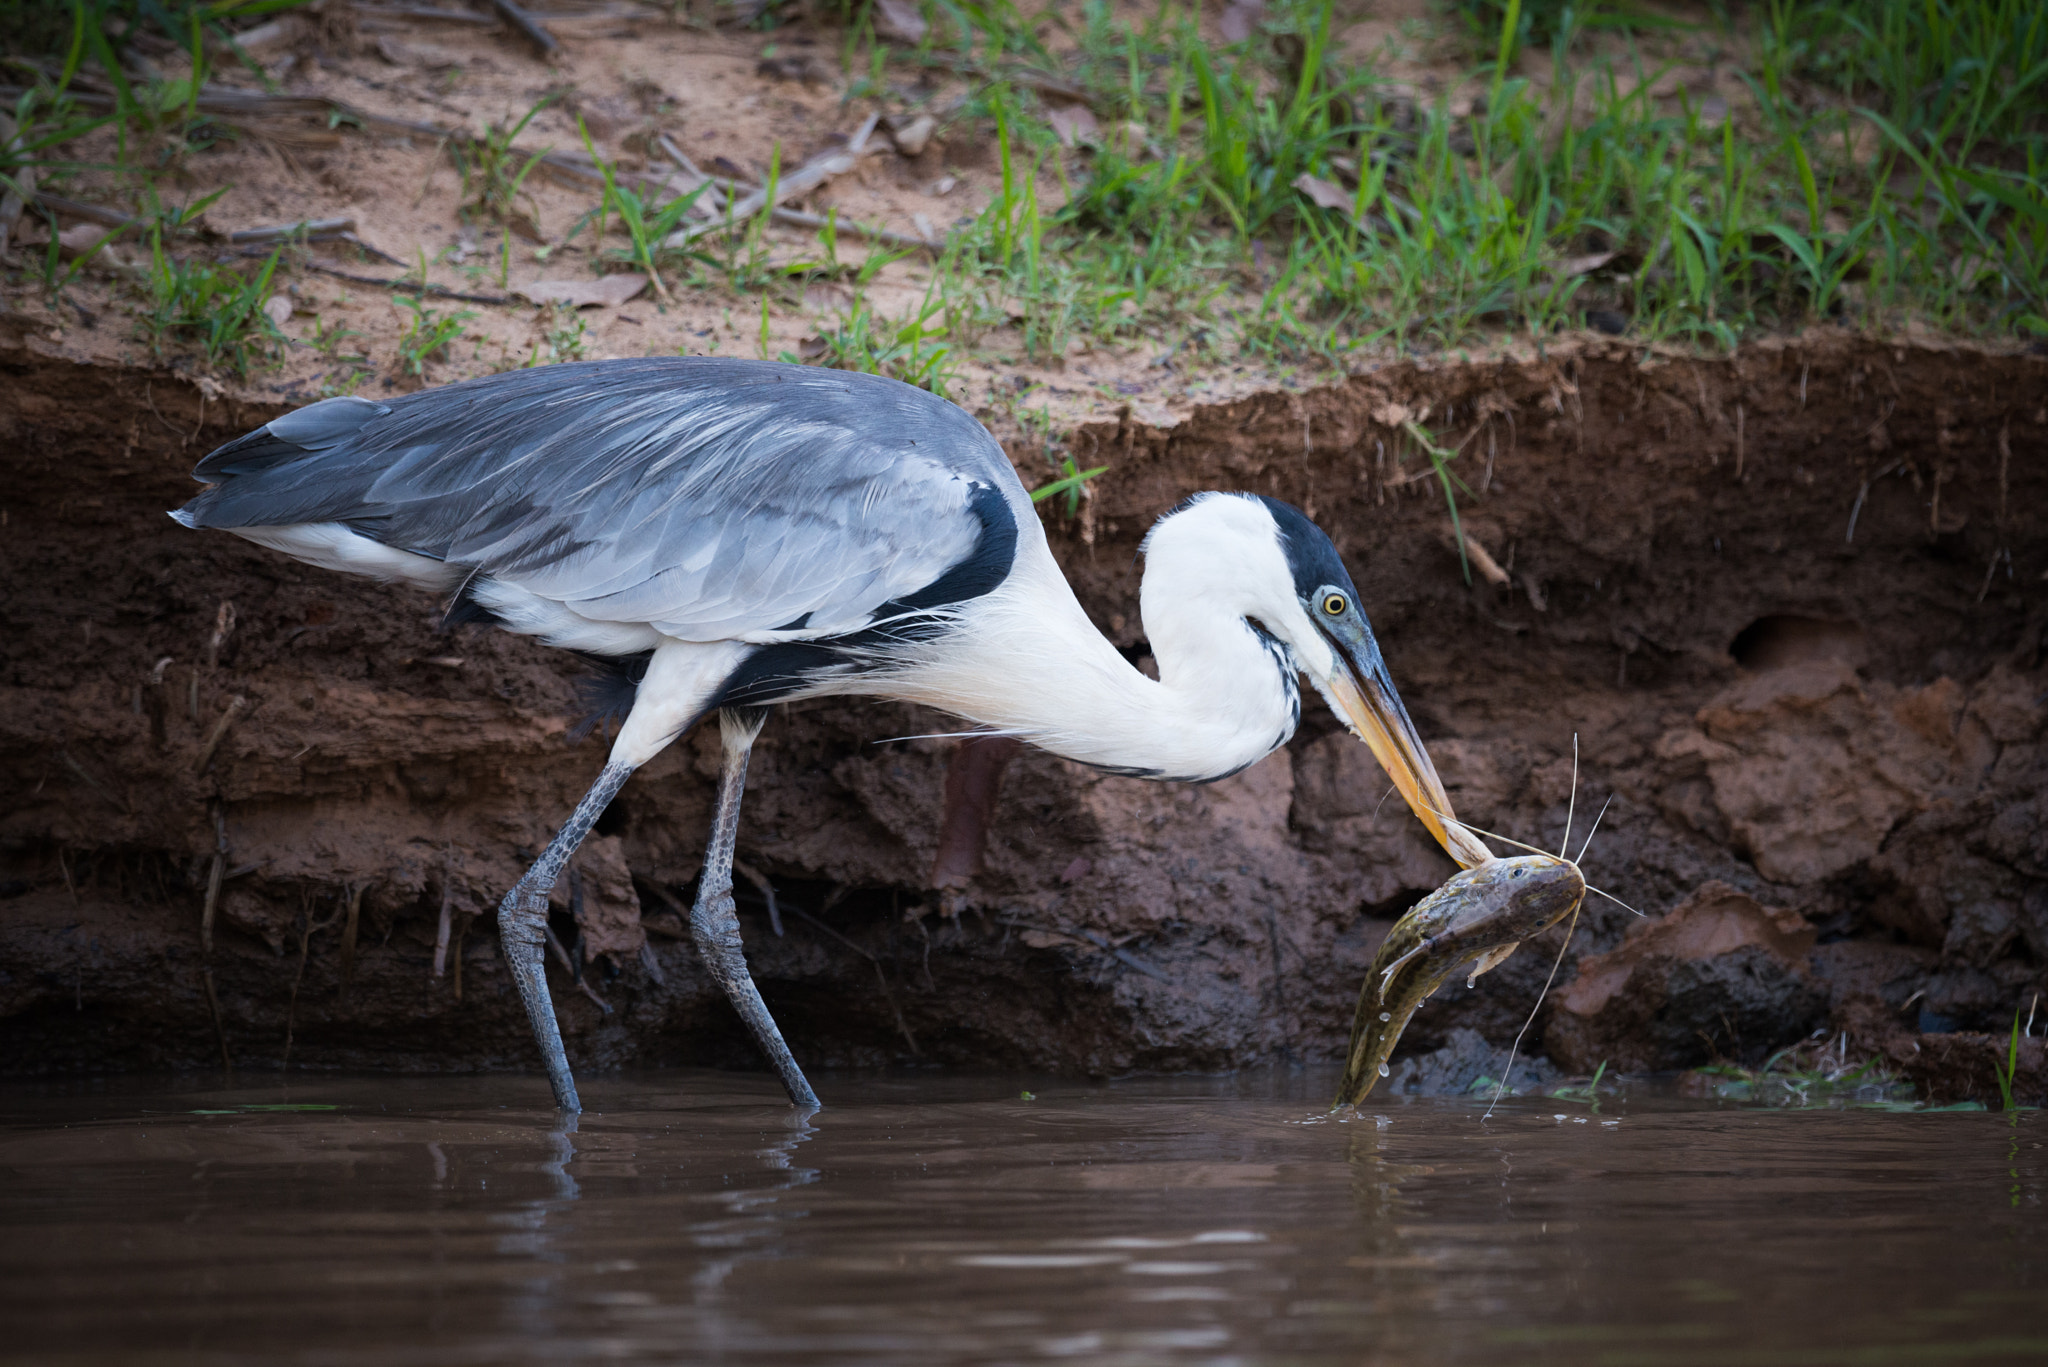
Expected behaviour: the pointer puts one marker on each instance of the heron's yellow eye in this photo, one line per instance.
(1334, 604)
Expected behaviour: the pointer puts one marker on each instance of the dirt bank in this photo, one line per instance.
(1846, 731)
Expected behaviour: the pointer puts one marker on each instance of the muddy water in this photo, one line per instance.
(691, 1217)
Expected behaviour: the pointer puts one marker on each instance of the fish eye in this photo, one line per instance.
(1334, 604)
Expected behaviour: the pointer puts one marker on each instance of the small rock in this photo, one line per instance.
(277, 308)
(1465, 1066)
(914, 136)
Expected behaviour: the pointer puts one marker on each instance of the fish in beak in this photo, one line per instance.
(1361, 692)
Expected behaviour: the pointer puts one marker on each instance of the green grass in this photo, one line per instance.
(2010, 1069)
(1282, 199)
(215, 305)
(1812, 1073)
(910, 349)
(494, 173)
(1882, 161)
(646, 224)
(428, 332)
(562, 337)
(1588, 1094)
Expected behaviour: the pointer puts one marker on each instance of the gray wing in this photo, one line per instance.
(708, 497)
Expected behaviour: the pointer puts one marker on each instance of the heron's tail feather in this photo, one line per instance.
(607, 691)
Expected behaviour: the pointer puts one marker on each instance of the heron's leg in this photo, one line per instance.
(522, 928)
(715, 922)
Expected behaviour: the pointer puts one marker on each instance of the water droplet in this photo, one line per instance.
(1385, 1017)
(1384, 1070)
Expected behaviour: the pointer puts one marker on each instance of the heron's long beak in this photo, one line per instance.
(1361, 691)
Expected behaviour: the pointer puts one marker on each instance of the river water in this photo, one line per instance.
(692, 1217)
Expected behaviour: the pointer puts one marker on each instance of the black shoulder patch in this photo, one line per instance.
(777, 671)
(986, 566)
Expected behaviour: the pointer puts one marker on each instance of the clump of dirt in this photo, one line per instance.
(1717, 973)
(1789, 603)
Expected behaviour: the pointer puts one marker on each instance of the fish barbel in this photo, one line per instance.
(1480, 913)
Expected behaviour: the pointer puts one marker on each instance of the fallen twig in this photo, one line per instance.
(219, 732)
(569, 967)
(445, 16)
(92, 213)
(213, 882)
(767, 891)
(348, 940)
(409, 286)
(543, 41)
(94, 783)
(1124, 957)
(23, 187)
(310, 230)
(1856, 508)
(801, 181)
(880, 977)
(1489, 568)
(307, 930)
(306, 228)
(220, 1030)
(445, 923)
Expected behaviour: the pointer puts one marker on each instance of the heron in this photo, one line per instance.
(730, 534)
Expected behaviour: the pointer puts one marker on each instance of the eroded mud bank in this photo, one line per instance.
(1827, 749)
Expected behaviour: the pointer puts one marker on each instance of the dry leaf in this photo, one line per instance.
(1324, 194)
(900, 20)
(1075, 124)
(826, 296)
(78, 239)
(1239, 19)
(1581, 265)
(606, 292)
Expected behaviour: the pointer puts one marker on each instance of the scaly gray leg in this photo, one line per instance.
(715, 923)
(522, 928)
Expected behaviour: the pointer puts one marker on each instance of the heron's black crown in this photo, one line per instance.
(1311, 558)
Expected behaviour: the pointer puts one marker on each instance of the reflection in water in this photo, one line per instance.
(695, 1217)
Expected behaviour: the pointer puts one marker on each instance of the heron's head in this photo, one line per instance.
(1264, 560)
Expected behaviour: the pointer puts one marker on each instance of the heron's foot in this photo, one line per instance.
(522, 929)
(715, 925)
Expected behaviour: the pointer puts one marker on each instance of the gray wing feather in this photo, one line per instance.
(709, 497)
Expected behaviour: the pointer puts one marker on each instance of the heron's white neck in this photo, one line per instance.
(1027, 661)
